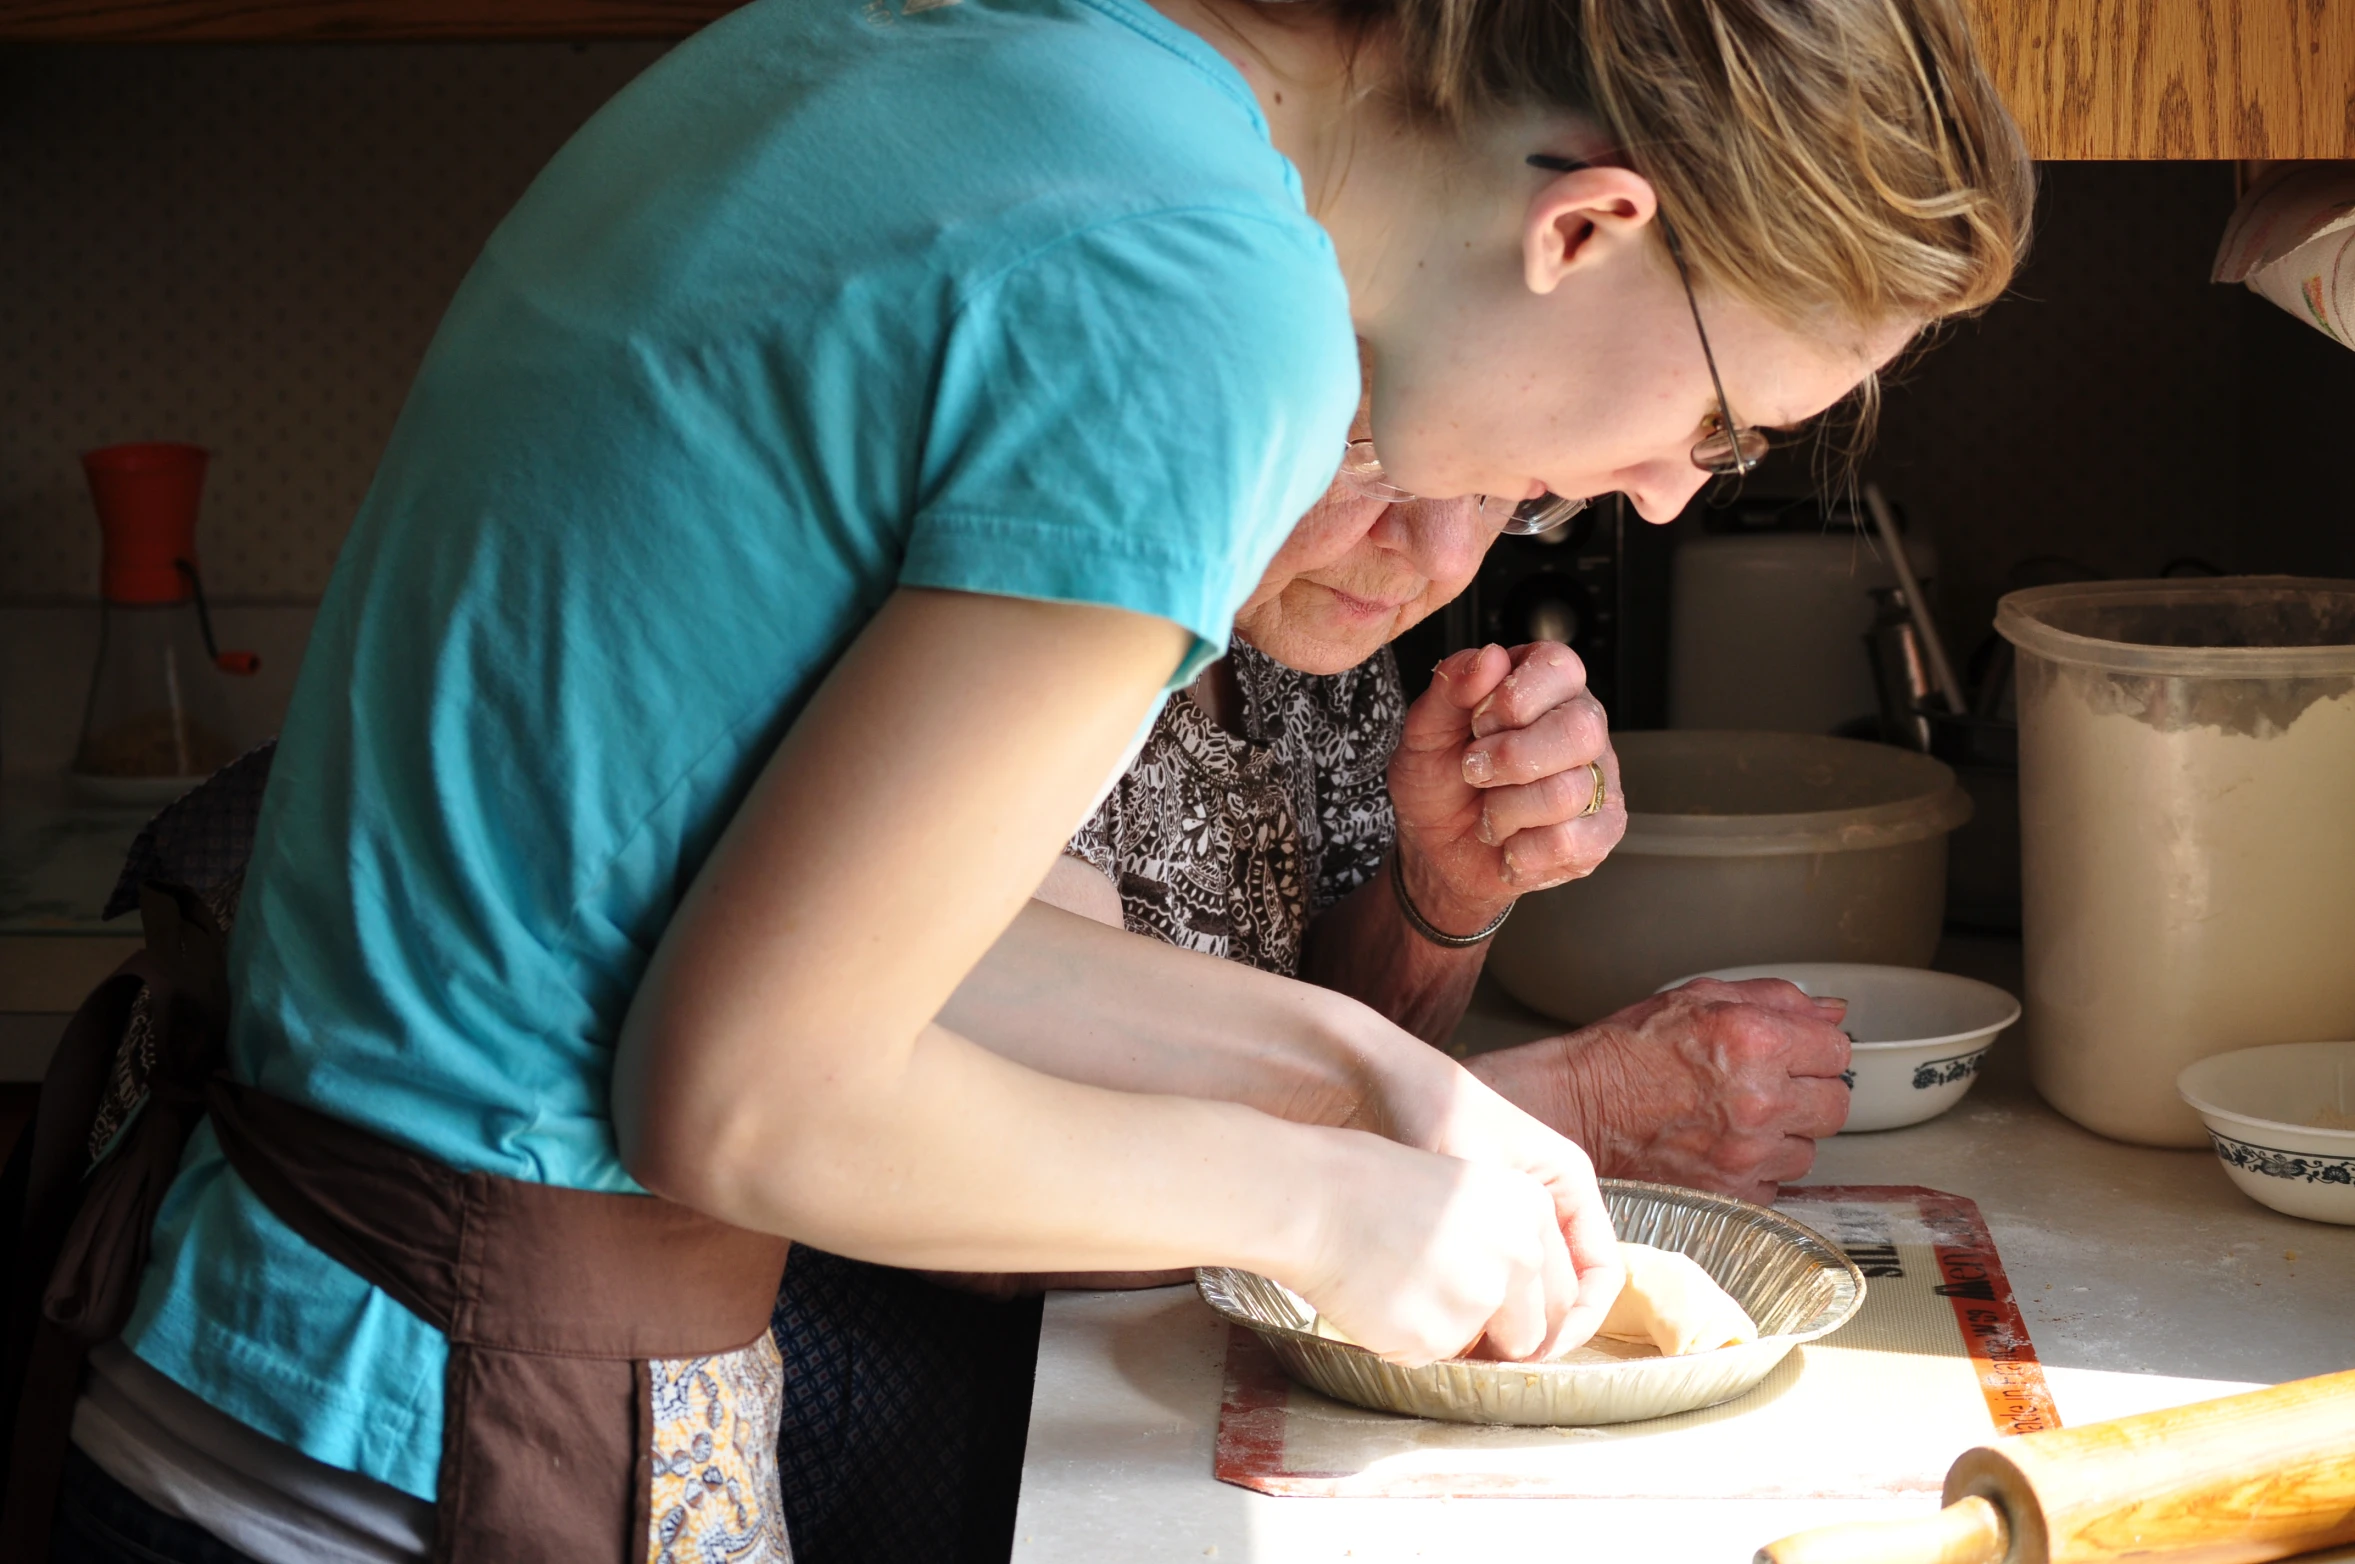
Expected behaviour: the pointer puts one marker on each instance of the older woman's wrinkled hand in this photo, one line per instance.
(1720, 1086)
(1492, 781)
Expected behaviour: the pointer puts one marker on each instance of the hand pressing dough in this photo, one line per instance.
(1670, 1302)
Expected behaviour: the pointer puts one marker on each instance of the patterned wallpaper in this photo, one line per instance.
(249, 247)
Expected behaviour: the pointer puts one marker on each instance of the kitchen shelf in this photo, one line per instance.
(2087, 78)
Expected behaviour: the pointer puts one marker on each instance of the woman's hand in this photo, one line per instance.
(1721, 1086)
(1427, 1101)
(1490, 782)
(1451, 1258)
(1446, 1258)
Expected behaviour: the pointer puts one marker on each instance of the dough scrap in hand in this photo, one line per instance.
(1671, 1302)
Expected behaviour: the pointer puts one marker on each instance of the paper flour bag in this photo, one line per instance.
(2292, 239)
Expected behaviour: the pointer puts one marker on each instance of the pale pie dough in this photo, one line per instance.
(1671, 1303)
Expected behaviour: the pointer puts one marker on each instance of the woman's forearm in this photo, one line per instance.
(963, 1161)
(1363, 947)
(1065, 994)
(780, 1067)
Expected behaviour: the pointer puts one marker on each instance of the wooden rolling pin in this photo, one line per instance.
(2236, 1481)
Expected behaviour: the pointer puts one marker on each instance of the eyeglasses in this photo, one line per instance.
(1728, 450)
(1362, 471)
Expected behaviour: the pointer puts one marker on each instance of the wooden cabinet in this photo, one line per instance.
(2088, 78)
(2176, 78)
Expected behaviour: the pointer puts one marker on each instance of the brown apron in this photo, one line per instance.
(553, 1300)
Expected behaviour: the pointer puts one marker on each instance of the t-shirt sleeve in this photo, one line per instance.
(1135, 416)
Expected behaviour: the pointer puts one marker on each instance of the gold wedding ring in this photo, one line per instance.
(1594, 805)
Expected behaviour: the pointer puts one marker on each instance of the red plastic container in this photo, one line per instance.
(157, 720)
(146, 497)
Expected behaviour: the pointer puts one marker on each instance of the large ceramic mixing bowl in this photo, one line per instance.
(1741, 848)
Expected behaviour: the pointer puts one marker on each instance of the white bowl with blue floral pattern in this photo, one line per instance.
(1919, 1036)
(2282, 1119)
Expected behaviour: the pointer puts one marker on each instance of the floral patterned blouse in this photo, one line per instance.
(1230, 844)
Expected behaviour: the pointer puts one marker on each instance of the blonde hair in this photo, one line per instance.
(1841, 157)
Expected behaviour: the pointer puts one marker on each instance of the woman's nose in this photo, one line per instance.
(1661, 490)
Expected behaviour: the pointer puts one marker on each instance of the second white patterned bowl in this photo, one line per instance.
(2282, 1120)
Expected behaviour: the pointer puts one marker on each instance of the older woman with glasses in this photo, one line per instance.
(1291, 813)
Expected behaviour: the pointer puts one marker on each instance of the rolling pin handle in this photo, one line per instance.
(1968, 1531)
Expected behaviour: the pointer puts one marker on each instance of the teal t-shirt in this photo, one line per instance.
(1007, 296)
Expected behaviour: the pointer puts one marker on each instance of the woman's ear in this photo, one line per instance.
(1572, 211)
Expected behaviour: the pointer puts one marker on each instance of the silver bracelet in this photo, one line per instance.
(1422, 925)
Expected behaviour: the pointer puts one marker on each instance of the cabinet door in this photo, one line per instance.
(2176, 78)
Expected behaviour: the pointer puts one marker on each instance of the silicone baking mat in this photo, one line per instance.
(1936, 1361)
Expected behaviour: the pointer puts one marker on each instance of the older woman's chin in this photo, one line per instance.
(1325, 644)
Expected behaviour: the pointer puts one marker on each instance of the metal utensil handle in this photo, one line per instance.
(1932, 642)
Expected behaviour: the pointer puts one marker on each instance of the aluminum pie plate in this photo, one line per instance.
(1795, 1283)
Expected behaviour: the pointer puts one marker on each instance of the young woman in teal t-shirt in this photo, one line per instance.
(812, 493)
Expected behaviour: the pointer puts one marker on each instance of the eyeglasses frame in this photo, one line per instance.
(1528, 518)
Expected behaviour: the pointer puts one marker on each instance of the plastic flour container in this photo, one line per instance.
(2187, 832)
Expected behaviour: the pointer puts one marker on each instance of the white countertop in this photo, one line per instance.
(2145, 1279)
